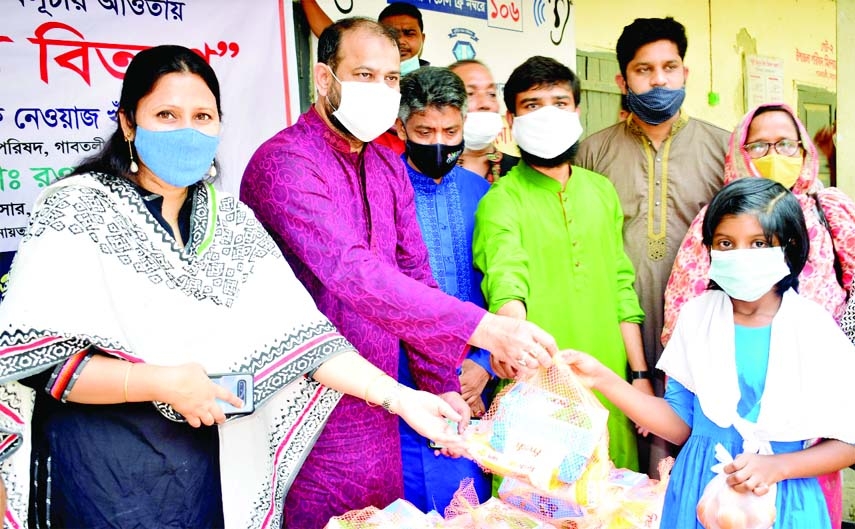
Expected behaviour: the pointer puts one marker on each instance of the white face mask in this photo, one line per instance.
(547, 132)
(410, 65)
(367, 110)
(748, 274)
(480, 129)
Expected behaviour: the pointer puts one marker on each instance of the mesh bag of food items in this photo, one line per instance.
(464, 512)
(494, 514)
(636, 500)
(396, 515)
(721, 507)
(564, 500)
(622, 499)
(542, 430)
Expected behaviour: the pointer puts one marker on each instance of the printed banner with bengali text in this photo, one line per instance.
(61, 67)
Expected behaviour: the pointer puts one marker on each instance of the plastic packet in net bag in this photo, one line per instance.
(494, 514)
(543, 429)
(721, 507)
(398, 514)
(638, 500)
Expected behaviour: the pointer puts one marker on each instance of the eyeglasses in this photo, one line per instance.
(759, 149)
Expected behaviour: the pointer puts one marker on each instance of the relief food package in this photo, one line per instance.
(397, 515)
(721, 507)
(466, 512)
(542, 430)
(621, 499)
(494, 514)
(564, 500)
(637, 500)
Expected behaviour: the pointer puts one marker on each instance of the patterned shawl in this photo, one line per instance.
(818, 280)
(97, 269)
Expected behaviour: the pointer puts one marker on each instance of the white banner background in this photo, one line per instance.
(46, 99)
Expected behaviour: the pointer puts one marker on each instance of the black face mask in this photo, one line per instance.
(537, 161)
(434, 160)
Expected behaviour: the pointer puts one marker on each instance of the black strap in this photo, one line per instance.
(838, 268)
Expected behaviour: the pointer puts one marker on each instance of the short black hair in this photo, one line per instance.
(777, 210)
(539, 71)
(402, 8)
(431, 86)
(643, 31)
(329, 43)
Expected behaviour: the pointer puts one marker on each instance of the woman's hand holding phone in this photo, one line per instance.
(240, 385)
(191, 393)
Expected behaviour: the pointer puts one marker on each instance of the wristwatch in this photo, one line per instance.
(635, 375)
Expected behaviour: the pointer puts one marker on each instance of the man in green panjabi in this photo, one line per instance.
(548, 239)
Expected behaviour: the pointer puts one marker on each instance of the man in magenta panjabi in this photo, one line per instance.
(342, 210)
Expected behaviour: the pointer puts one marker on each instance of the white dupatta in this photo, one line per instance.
(96, 269)
(811, 364)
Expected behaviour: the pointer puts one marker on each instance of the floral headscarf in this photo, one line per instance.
(818, 281)
(737, 163)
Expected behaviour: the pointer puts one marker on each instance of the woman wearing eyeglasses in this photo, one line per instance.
(771, 142)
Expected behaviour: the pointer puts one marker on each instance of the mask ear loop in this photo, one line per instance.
(339, 83)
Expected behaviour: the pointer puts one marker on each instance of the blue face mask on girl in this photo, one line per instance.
(179, 157)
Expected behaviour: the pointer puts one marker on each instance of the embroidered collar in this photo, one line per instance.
(678, 125)
(330, 136)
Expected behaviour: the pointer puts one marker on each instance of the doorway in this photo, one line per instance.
(600, 95)
(817, 108)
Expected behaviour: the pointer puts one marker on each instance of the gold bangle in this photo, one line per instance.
(127, 376)
(368, 388)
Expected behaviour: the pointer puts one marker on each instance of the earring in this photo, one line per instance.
(134, 168)
(212, 171)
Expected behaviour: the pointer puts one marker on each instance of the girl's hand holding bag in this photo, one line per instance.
(721, 507)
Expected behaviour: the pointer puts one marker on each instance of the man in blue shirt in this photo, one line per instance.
(433, 106)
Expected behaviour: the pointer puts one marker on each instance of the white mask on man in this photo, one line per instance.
(480, 129)
(367, 110)
(547, 132)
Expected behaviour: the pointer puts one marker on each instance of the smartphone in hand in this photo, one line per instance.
(241, 385)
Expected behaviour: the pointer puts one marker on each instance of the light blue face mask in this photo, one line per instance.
(749, 273)
(410, 65)
(179, 157)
